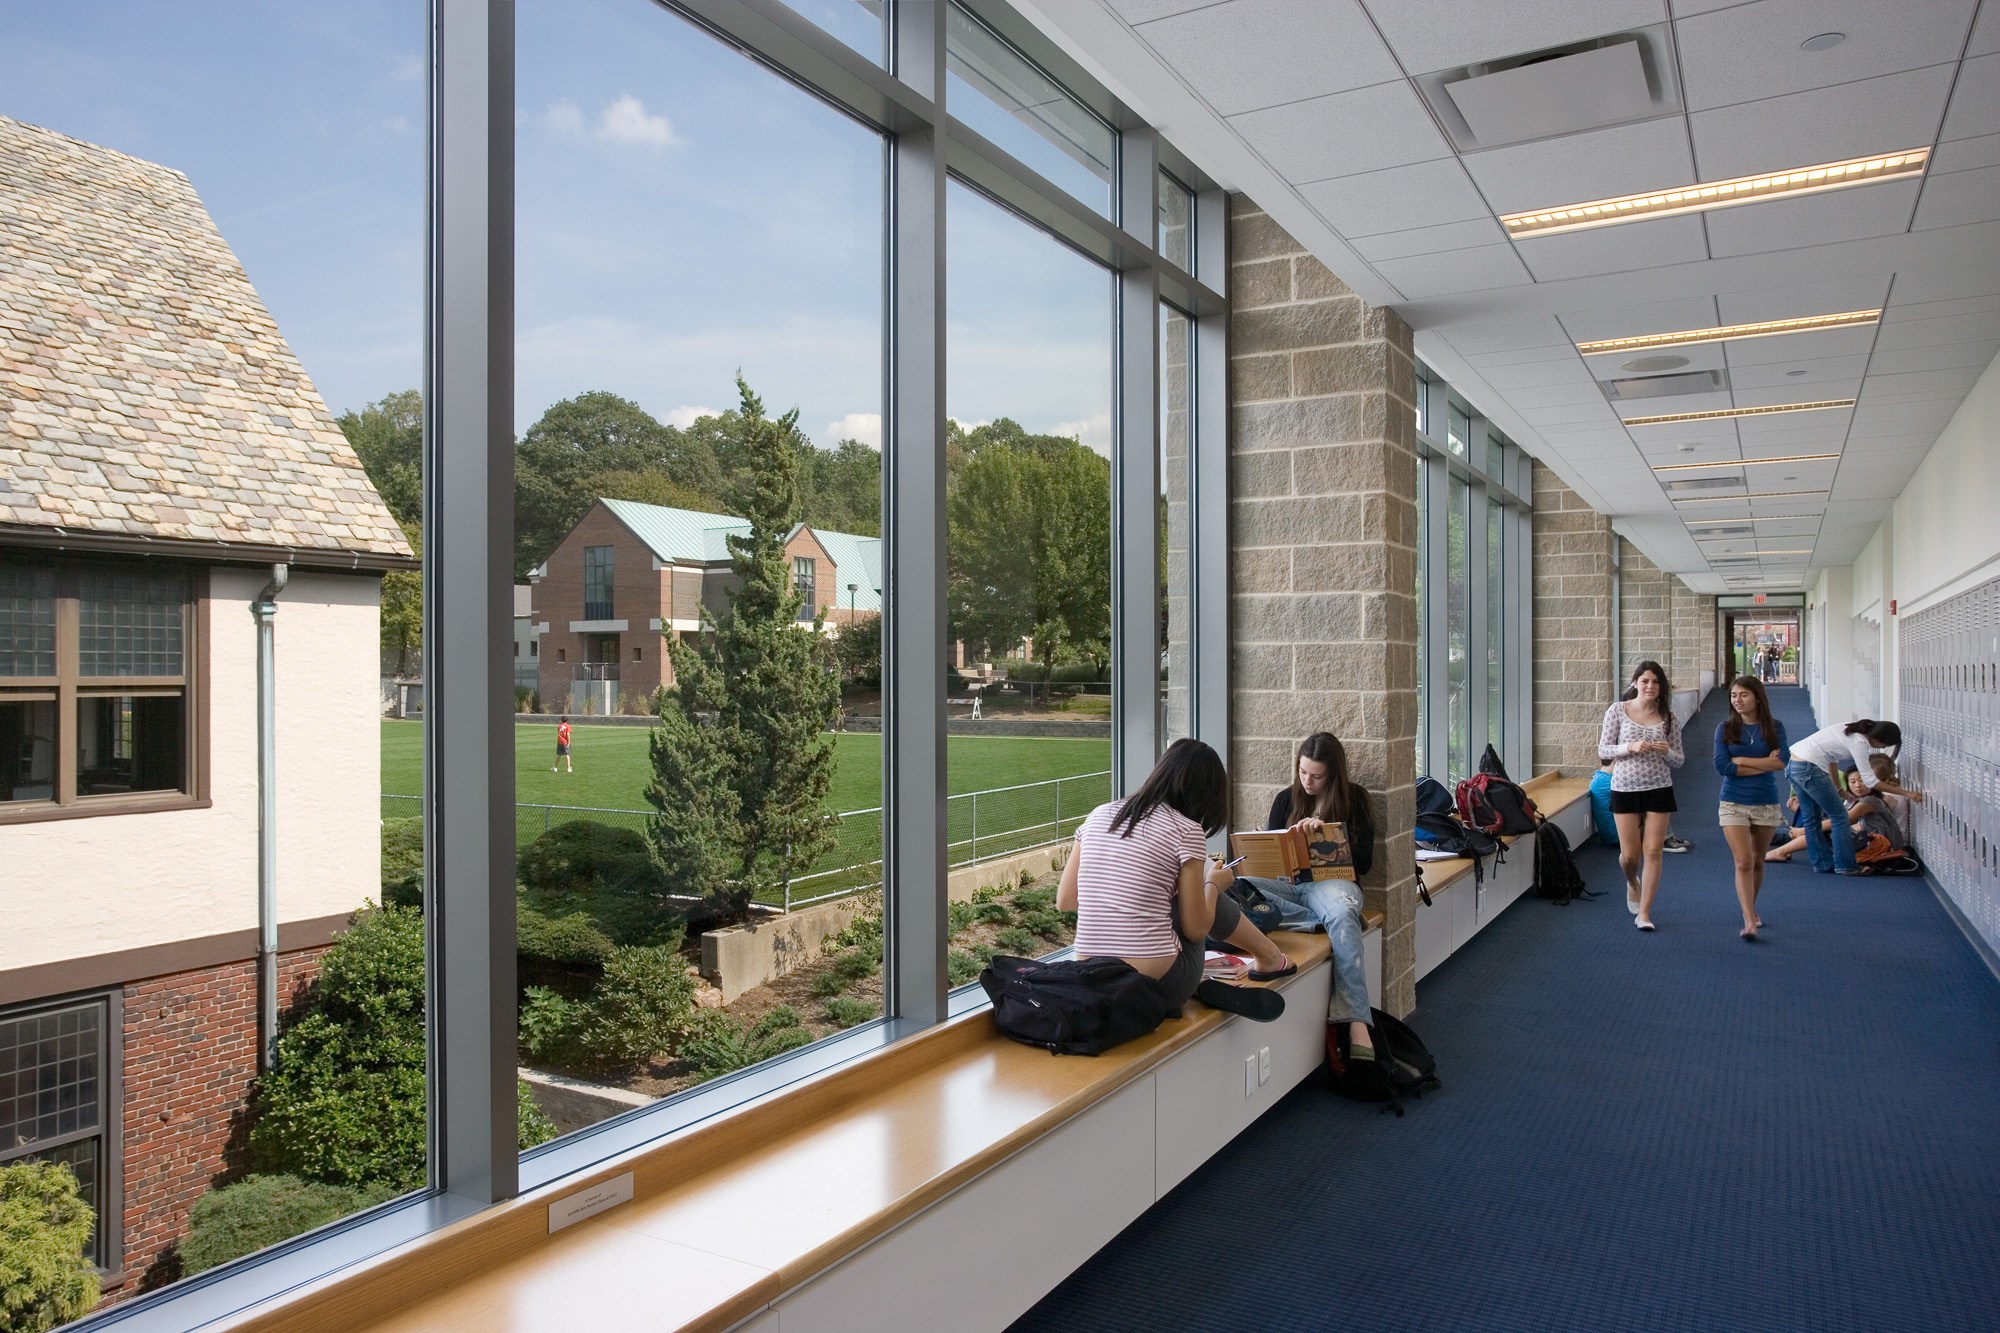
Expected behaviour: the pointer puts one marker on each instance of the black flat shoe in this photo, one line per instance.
(1290, 968)
(1259, 1006)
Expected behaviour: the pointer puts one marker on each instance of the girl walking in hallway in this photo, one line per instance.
(1751, 749)
(1644, 747)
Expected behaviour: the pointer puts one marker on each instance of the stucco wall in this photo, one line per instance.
(115, 882)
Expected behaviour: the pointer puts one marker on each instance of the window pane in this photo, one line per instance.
(27, 623)
(1028, 556)
(1423, 406)
(685, 216)
(1176, 239)
(856, 22)
(997, 92)
(130, 624)
(225, 284)
(1457, 614)
(1458, 430)
(1496, 624)
(27, 749)
(1176, 525)
(1423, 617)
(52, 1097)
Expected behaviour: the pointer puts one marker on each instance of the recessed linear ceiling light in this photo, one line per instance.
(1768, 518)
(1745, 462)
(1718, 194)
(1748, 495)
(1724, 413)
(1767, 328)
(1760, 553)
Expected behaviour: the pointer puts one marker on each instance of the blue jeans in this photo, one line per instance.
(1818, 799)
(1335, 906)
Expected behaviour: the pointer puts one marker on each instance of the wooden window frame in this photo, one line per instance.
(109, 1131)
(69, 689)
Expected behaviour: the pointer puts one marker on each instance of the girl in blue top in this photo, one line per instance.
(1751, 749)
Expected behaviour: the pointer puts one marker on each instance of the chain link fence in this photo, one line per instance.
(980, 825)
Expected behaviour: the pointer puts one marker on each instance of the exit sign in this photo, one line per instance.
(1759, 599)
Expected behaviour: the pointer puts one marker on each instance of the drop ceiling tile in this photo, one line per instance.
(1632, 321)
(1576, 414)
(1539, 374)
(1577, 167)
(1374, 203)
(1145, 11)
(1819, 298)
(1966, 154)
(1958, 198)
(1247, 54)
(1752, 51)
(1821, 219)
(1951, 356)
(1938, 332)
(1891, 444)
(1431, 35)
(1505, 337)
(1431, 240)
(1900, 311)
(1916, 286)
(1819, 372)
(1947, 385)
(1822, 124)
(1798, 347)
(1985, 33)
(1345, 134)
(1714, 401)
(1975, 100)
(1455, 271)
(1634, 245)
(1554, 395)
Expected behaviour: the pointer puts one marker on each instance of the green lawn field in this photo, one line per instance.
(612, 766)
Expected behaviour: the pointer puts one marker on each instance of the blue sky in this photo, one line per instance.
(682, 213)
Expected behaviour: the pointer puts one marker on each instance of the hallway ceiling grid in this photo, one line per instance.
(1341, 119)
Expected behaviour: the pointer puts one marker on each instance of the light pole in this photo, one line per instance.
(850, 601)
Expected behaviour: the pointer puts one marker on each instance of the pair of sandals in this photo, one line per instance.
(1254, 1003)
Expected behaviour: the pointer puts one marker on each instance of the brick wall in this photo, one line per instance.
(638, 592)
(1323, 521)
(189, 1059)
(1572, 626)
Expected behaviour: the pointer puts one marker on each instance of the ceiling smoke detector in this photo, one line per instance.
(1825, 41)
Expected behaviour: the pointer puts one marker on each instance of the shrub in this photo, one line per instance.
(846, 1011)
(1017, 941)
(573, 940)
(855, 964)
(827, 983)
(961, 967)
(717, 1044)
(1045, 922)
(345, 1104)
(403, 861)
(959, 915)
(865, 930)
(260, 1211)
(45, 1280)
(525, 700)
(601, 872)
(987, 893)
(993, 913)
(1035, 900)
(641, 1007)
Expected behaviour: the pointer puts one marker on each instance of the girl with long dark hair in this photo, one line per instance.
(1644, 747)
(1811, 776)
(1138, 878)
(1751, 749)
(1321, 793)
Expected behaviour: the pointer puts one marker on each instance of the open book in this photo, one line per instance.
(1282, 853)
(1225, 966)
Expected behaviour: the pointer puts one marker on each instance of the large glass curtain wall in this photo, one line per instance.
(1474, 586)
(941, 257)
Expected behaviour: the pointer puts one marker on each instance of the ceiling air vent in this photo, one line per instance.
(1689, 485)
(1666, 386)
(1611, 80)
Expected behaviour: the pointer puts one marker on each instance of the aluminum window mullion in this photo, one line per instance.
(1437, 626)
(1135, 486)
(914, 781)
(1478, 578)
(468, 507)
(1208, 499)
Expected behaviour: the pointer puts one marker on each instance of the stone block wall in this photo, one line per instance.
(1695, 637)
(1323, 529)
(1572, 626)
(1645, 607)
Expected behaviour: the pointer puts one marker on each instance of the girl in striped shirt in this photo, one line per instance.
(1139, 882)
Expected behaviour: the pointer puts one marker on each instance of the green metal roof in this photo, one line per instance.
(688, 536)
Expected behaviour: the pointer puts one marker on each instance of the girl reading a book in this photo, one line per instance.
(1137, 879)
(1321, 793)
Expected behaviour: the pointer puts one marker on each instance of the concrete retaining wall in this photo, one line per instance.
(573, 1103)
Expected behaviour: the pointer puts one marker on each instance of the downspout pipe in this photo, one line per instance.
(265, 609)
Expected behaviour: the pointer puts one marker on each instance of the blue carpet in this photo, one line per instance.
(1674, 1131)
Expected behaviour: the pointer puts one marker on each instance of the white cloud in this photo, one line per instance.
(683, 417)
(563, 118)
(863, 426)
(970, 426)
(626, 120)
(1093, 431)
(407, 69)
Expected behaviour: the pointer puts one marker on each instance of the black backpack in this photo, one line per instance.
(1490, 763)
(1443, 833)
(1556, 875)
(1080, 1006)
(1495, 804)
(1433, 798)
(1402, 1063)
(1904, 864)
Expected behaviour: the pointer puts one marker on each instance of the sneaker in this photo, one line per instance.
(1676, 843)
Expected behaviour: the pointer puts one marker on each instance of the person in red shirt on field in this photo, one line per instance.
(562, 748)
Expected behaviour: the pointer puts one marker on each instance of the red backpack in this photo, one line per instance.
(1492, 804)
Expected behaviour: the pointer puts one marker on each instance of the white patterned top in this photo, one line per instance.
(1631, 771)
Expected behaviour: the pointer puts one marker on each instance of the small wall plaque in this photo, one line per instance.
(590, 1202)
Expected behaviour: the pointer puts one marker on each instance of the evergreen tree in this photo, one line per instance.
(741, 758)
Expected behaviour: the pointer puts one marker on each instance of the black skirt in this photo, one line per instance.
(1653, 801)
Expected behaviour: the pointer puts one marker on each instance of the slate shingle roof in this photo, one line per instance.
(145, 391)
